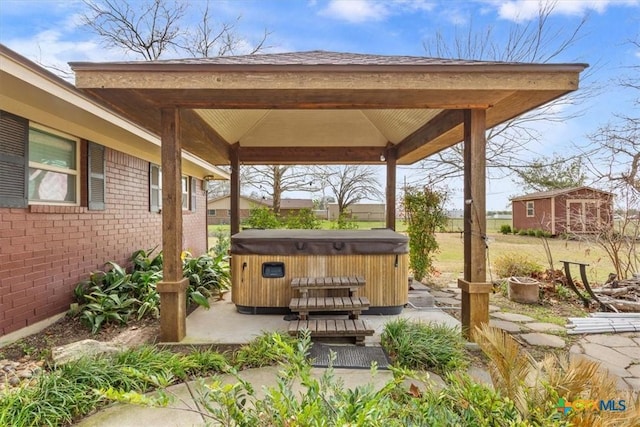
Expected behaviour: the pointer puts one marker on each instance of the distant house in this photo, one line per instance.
(360, 211)
(218, 210)
(580, 210)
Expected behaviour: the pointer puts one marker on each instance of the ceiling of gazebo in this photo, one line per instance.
(322, 107)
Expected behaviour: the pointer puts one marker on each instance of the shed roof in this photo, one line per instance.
(556, 192)
(322, 107)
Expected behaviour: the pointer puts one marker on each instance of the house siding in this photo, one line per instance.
(46, 250)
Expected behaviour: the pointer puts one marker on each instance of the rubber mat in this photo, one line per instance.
(348, 356)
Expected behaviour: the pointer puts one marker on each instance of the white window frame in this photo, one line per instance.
(73, 172)
(530, 206)
(185, 183)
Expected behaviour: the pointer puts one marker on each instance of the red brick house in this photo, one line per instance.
(579, 210)
(79, 186)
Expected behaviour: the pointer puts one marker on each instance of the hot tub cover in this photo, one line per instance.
(318, 242)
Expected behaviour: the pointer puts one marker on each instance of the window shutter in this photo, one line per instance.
(96, 175)
(14, 161)
(194, 186)
(154, 188)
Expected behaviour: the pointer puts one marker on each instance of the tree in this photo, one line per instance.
(350, 184)
(551, 173)
(151, 28)
(277, 179)
(509, 144)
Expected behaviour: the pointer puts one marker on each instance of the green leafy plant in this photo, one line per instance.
(423, 345)
(208, 275)
(424, 215)
(344, 222)
(303, 219)
(264, 350)
(505, 229)
(223, 243)
(263, 218)
(143, 261)
(66, 393)
(516, 264)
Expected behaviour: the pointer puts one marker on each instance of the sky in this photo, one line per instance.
(50, 33)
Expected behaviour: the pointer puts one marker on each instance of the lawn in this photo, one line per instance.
(450, 260)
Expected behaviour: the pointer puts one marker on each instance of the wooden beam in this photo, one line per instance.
(234, 157)
(200, 139)
(475, 305)
(464, 79)
(439, 125)
(475, 196)
(316, 155)
(390, 156)
(172, 289)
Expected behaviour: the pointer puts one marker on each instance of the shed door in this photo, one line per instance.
(583, 216)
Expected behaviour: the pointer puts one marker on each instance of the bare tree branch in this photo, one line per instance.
(511, 144)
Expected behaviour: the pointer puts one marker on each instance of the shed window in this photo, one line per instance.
(211, 212)
(53, 167)
(531, 209)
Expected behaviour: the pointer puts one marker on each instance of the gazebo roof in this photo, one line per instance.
(322, 107)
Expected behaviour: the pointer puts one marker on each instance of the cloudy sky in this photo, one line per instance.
(49, 32)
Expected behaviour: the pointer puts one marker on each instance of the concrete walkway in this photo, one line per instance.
(618, 353)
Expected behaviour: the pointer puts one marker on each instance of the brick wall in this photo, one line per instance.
(46, 250)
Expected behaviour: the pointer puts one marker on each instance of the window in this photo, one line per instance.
(53, 167)
(530, 209)
(229, 213)
(155, 188)
(39, 165)
(211, 212)
(185, 193)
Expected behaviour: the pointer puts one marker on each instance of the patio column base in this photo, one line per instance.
(475, 306)
(173, 310)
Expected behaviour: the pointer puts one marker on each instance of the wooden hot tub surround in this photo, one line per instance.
(380, 257)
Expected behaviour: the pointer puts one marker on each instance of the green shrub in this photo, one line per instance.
(344, 222)
(223, 243)
(523, 233)
(303, 219)
(263, 218)
(423, 345)
(69, 392)
(207, 276)
(505, 229)
(515, 231)
(263, 350)
(531, 232)
(424, 215)
(515, 264)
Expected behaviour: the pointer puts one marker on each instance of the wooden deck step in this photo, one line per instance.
(339, 282)
(354, 328)
(309, 304)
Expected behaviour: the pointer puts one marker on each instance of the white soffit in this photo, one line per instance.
(396, 125)
(232, 124)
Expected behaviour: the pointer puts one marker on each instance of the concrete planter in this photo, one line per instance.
(523, 289)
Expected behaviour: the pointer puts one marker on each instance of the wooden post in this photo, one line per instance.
(475, 292)
(234, 157)
(391, 187)
(173, 287)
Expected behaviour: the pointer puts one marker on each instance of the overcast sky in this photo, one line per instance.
(48, 32)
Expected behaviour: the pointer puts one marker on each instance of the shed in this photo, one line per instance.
(577, 210)
(323, 107)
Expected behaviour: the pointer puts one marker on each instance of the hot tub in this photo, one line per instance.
(263, 262)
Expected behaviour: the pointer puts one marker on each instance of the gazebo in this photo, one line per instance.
(323, 107)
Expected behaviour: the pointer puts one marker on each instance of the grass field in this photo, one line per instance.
(449, 261)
